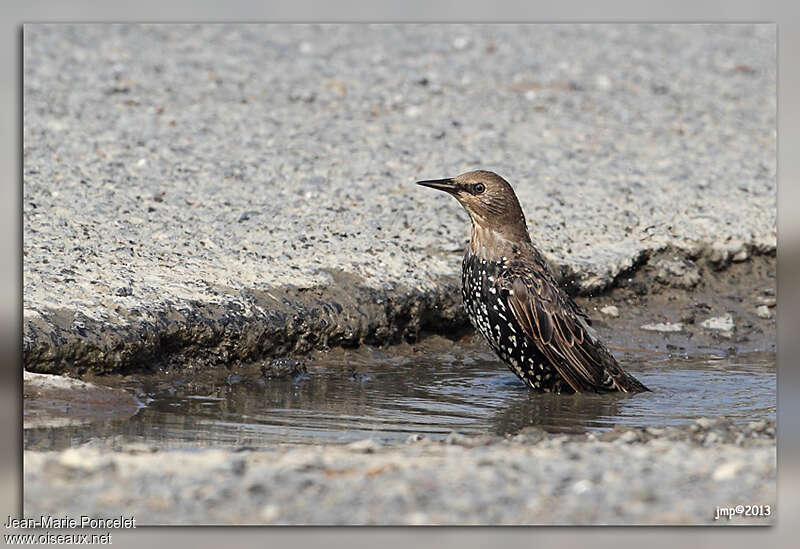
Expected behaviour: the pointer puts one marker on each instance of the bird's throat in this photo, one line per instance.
(492, 245)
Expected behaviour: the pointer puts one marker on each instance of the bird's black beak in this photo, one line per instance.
(447, 185)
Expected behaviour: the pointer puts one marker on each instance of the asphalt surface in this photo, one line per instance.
(676, 475)
(249, 189)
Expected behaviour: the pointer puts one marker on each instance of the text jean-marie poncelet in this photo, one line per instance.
(84, 521)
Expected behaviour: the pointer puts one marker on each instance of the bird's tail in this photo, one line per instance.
(629, 384)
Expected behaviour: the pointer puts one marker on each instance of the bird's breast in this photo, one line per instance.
(487, 306)
(484, 301)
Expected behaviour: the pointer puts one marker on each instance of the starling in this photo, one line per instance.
(514, 301)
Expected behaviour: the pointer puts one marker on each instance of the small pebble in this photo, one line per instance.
(723, 325)
(367, 446)
(602, 81)
(270, 512)
(704, 422)
(728, 470)
(719, 323)
(72, 458)
(610, 310)
(581, 486)
(461, 42)
(456, 438)
(741, 255)
(628, 437)
(413, 111)
(663, 327)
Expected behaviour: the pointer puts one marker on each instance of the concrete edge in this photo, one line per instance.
(260, 325)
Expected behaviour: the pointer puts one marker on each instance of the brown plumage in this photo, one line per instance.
(513, 299)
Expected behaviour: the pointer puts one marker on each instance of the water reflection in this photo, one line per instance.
(561, 414)
(370, 393)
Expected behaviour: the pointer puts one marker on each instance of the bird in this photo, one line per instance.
(513, 299)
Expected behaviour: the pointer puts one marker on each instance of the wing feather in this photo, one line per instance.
(556, 332)
(560, 329)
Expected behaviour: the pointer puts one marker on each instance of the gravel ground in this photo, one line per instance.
(626, 476)
(243, 191)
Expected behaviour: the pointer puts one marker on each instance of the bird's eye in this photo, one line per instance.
(479, 188)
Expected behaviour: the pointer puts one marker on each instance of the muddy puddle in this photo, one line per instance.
(431, 389)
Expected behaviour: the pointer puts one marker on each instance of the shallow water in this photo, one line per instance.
(373, 394)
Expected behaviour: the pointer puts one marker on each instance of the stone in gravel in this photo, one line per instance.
(417, 518)
(728, 470)
(710, 438)
(602, 81)
(763, 311)
(723, 324)
(413, 111)
(581, 486)
(460, 42)
(134, 448)
(366, 446)
(769, 301)
(663, 327)
(246, 215)
(610, 310)
(531, 434)
(741, 255)
(676, 272)
(457, 438)
(72, 458)
(305, 96)
(270, 512)
(628, 437)
(74, 461)
(704, 422)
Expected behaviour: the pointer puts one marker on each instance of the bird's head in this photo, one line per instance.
(489, 200)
